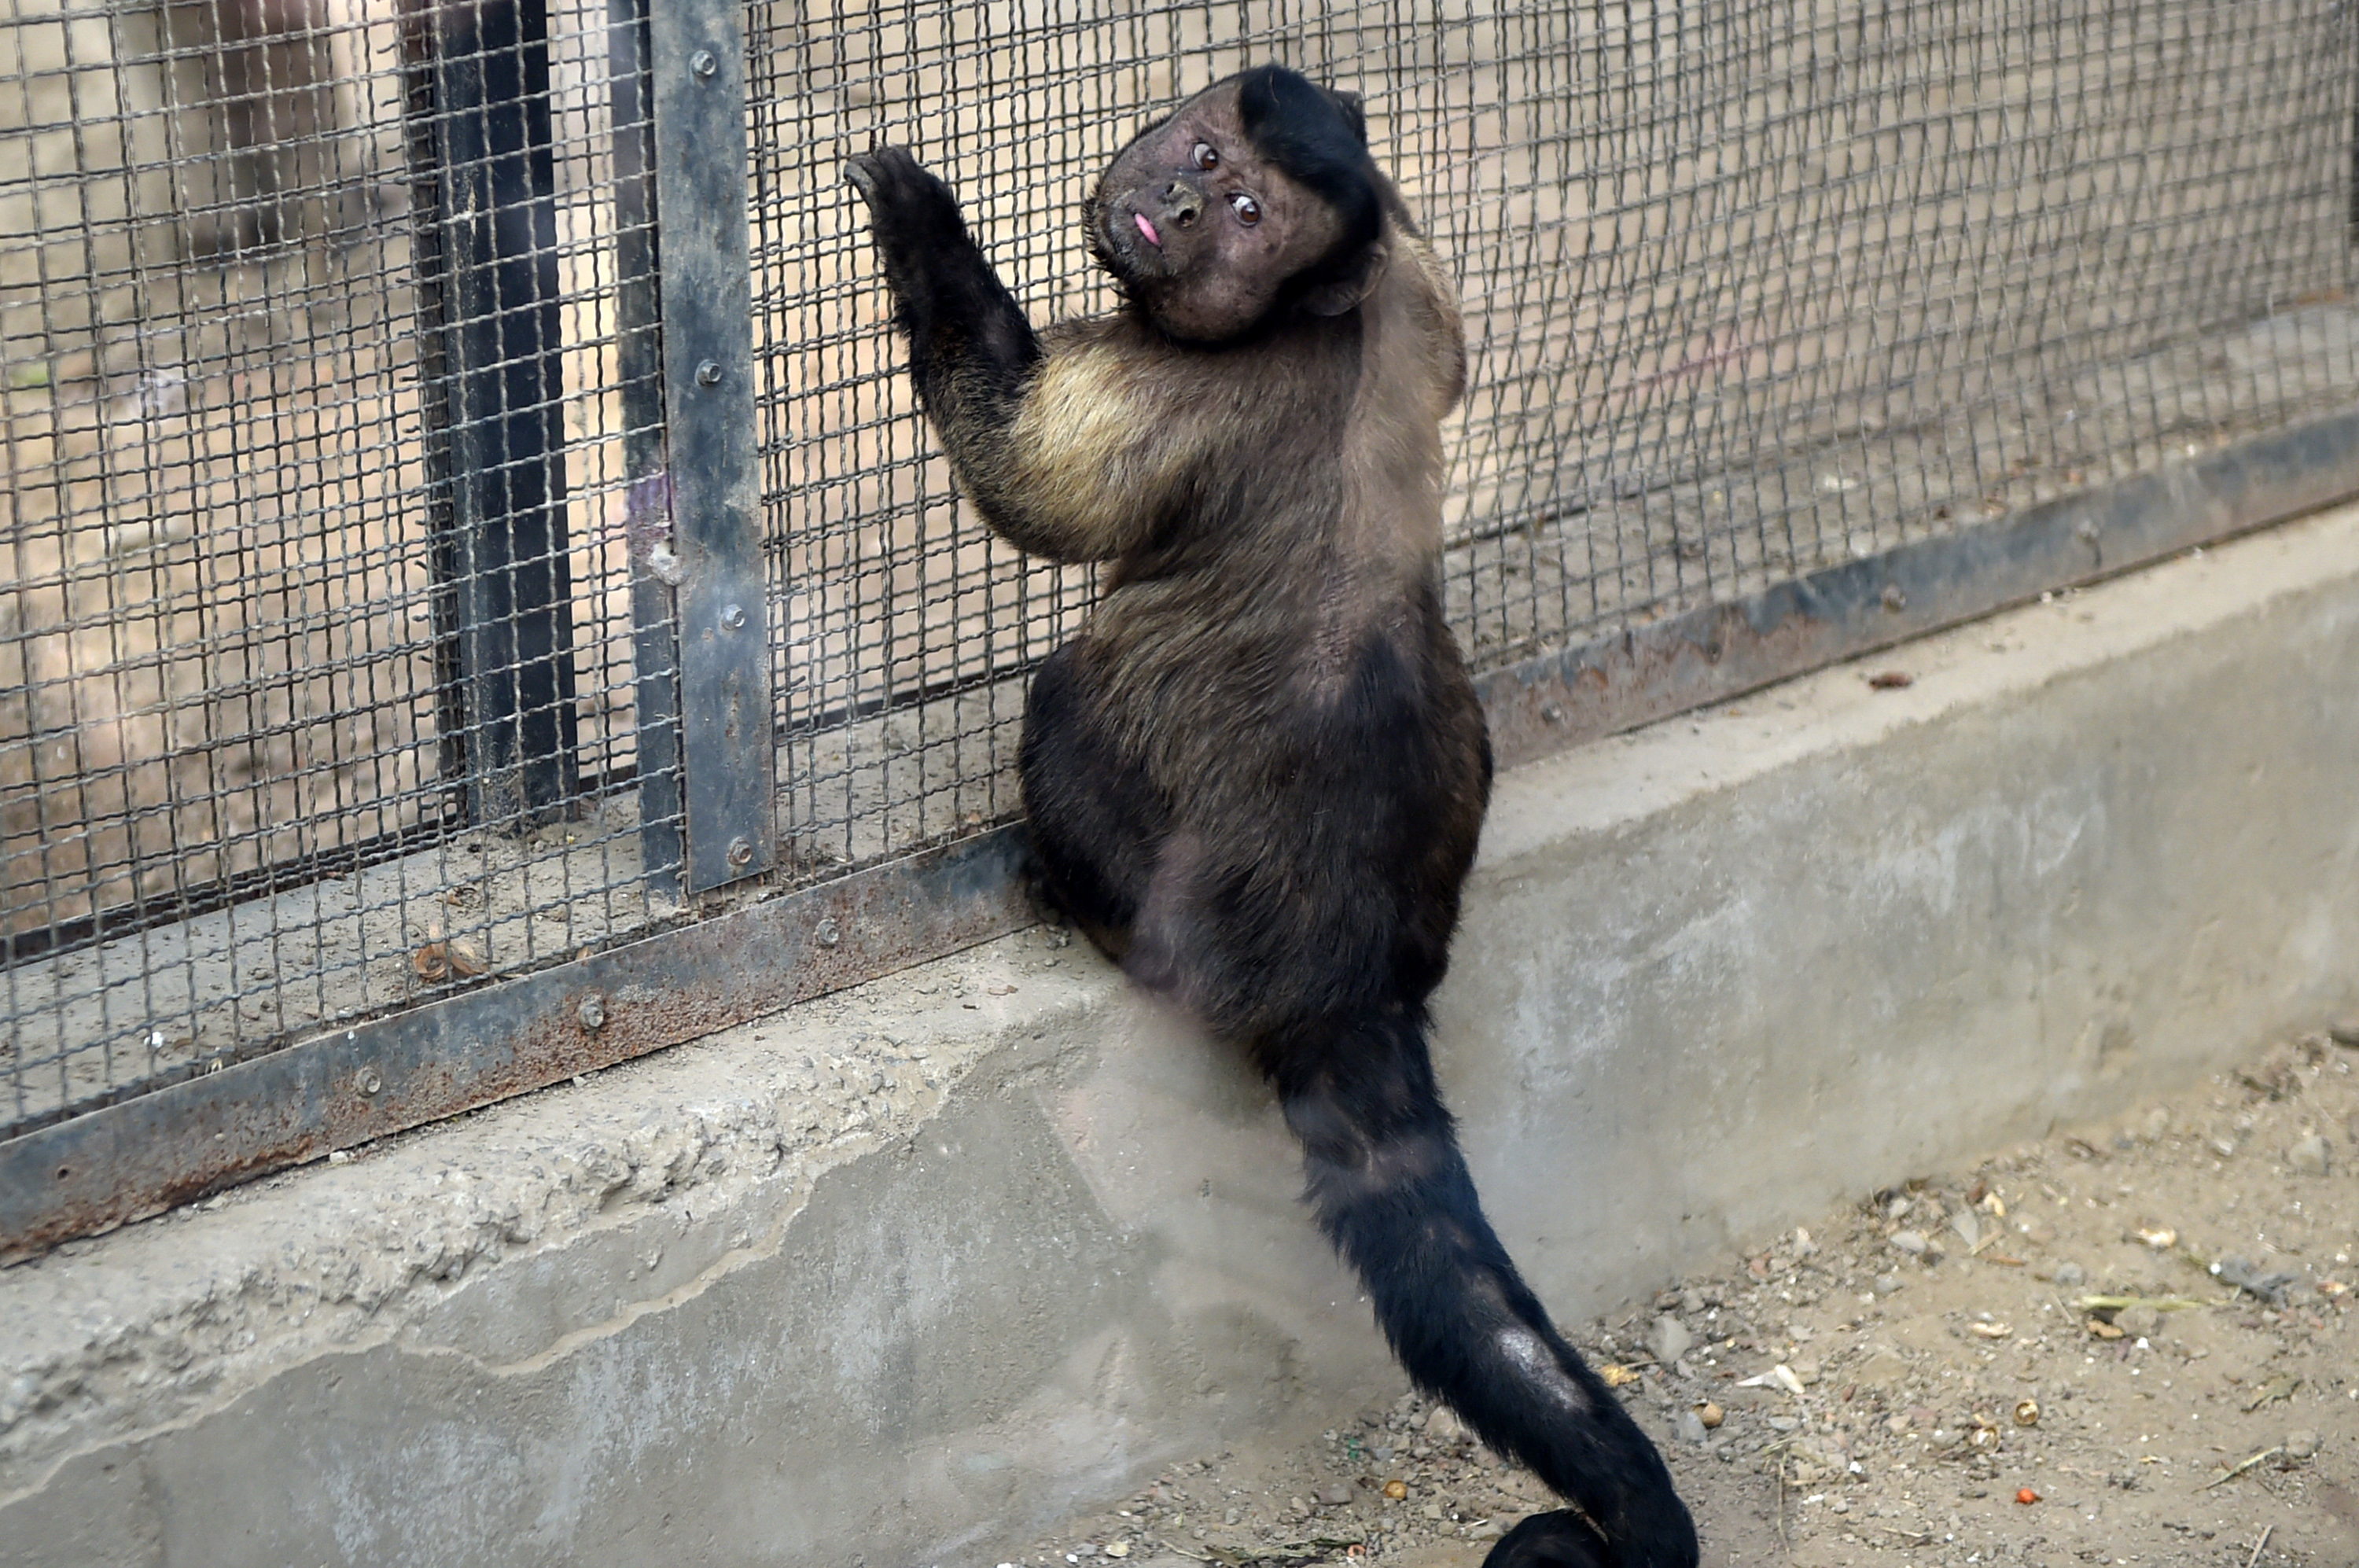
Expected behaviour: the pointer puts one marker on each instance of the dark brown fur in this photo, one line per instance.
(1257, 776)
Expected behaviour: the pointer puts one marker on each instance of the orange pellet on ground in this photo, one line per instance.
(2025, 1495)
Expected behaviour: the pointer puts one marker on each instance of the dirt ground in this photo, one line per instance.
(2128, 1343)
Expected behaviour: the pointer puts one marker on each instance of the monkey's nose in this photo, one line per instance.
(1184, 203)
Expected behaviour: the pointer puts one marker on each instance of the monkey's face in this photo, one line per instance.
(1216, 218)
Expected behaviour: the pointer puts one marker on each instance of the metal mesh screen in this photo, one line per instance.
(1751, 287)
(335, 570)
(233, 734)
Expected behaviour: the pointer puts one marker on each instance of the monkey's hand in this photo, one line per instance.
(919, 231)
(970, 347)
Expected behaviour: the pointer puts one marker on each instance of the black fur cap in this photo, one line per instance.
(1320, 139)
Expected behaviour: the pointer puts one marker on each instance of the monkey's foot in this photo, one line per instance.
(1559, 1539)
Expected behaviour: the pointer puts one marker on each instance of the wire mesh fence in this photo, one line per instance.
(342, 638)
(1750, 288)
(235, 745)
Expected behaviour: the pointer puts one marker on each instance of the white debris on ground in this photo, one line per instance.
(2126, 1345)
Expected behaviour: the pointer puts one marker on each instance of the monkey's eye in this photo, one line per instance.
(1204, 157)
(1247, 210)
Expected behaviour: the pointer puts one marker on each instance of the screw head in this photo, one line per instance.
(741, 852)
(704, 62)
(367, 1081)
(591, 1011)
(707, 373)
(734, 616)
(828, 932)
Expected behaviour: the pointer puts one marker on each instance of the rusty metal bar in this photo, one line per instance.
(727, 727)
(1710, 655)
(213, 1130)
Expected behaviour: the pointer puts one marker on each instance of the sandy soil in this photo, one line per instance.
(2046, 1358)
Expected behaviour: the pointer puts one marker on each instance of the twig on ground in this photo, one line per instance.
(2227, 1476)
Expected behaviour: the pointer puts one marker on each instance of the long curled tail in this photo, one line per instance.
(1392, 1192)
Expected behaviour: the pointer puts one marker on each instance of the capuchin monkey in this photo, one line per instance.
(1255, 779)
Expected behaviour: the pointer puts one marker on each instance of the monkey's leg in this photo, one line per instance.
(1392, 1190)
(1097, 824)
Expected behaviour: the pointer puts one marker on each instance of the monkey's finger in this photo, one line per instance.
(861, 176)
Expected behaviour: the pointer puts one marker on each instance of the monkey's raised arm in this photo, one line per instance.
(1043, 441)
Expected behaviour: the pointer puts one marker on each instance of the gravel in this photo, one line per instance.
(2149, 1342)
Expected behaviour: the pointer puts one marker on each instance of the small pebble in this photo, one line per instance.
(1692, 1427)
(1887, 1283)
(2309, 1156)
(1670, 1339)
(1336, 1496)
(2302, 1444)
(2070, 1275)
(1911, 1242)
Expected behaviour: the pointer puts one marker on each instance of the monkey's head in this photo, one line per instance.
(1255, 198)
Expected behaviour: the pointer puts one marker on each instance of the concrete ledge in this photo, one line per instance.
(905, 1273)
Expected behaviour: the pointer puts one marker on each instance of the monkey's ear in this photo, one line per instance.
(1356, 282)
(1355, 112)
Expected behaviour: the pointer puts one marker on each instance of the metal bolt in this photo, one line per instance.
(734, 616)
(1895, 601)
(828, 932)
(707, 373)
(592, 1012)
(741, 852)
(705, 63)
(367, 1082)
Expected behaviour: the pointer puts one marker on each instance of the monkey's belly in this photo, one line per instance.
(1256, 850)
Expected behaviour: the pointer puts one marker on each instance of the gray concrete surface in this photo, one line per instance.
(898, 1277)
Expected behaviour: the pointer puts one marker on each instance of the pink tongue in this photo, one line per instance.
(1146, 228)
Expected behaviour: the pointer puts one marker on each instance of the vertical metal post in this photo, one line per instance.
(2352, 63)
(495, 364)
(647, 523)
(726, 723)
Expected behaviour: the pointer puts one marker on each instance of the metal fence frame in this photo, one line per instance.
(706, 759)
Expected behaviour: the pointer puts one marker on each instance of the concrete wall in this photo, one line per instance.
(897, 1277)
